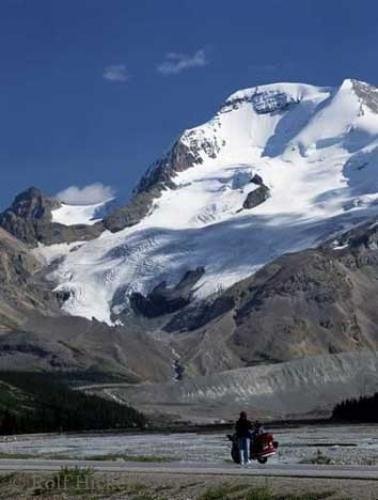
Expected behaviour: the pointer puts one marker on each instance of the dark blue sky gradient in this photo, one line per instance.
(62, 123)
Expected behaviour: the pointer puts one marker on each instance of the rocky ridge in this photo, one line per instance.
(29, 219)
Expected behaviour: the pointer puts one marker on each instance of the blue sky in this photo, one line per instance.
(95, 90)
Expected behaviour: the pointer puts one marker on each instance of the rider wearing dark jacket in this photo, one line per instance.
(243, 426)
(243, 429)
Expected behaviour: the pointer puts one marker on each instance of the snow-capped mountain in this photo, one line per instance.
(279, 168)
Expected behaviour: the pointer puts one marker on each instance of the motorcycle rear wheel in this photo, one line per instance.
(262, 460)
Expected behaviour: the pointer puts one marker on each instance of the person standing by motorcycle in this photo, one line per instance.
(243, 430)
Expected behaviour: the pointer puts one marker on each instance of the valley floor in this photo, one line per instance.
(304, 444)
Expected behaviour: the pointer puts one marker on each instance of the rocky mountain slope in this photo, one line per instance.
(22, 290)
(303, 304)
(307, 387)
(35, 218)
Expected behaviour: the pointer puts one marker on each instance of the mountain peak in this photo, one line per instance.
(279, 168)
(31, 191)
(32, 203)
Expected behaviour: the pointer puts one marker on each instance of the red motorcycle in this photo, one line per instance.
(263, 446)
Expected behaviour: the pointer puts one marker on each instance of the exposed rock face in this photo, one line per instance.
(179, 158)
(300, 305)
(132, 213)
(360, 239)
(367, 93)
(257, 179)
(28, 209)
(256, 197)
(33, 204)
(199, 314)
(164, 300)
(157, 178)
(29, 219)
(269, 102)
(73, 344)
(22, 291)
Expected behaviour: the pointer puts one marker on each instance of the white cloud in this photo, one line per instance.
(174, 63)
(116, 73)
(87, 195)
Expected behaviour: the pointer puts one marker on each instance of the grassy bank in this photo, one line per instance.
(87, 484)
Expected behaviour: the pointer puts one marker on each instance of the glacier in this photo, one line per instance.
(316, 152)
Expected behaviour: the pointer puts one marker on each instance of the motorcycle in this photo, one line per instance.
(262, 447)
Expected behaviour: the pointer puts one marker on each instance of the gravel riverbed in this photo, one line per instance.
(341, 444)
